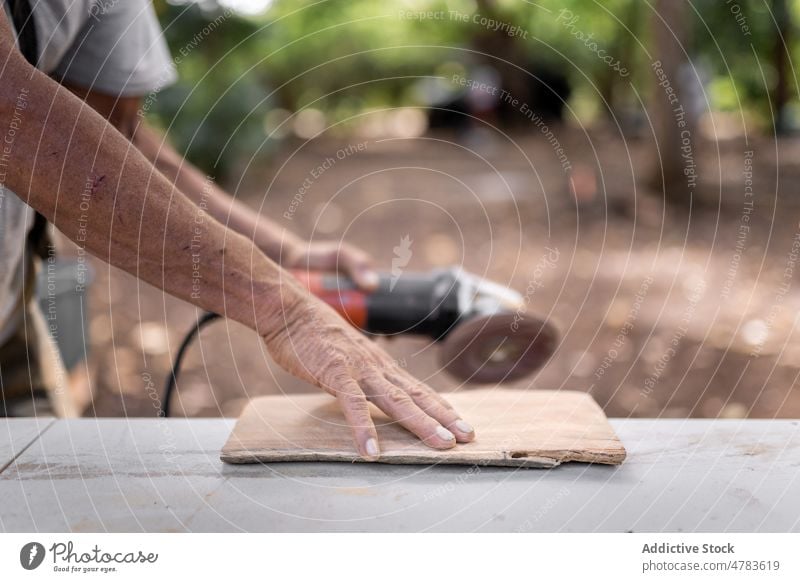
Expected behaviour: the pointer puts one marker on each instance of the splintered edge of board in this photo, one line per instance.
(514, 428)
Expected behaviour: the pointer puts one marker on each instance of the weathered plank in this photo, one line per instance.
(515, 428)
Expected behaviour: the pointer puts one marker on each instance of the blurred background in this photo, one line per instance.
(629, 166)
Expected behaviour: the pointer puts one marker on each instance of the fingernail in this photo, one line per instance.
(372, 448)
(444, 433)
(370, 279)
(463, 426)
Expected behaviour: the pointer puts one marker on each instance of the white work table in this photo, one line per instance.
(165, 475)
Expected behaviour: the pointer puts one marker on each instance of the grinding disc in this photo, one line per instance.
(498, 348)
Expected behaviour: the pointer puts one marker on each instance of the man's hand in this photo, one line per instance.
(332, 256)
(312, 342)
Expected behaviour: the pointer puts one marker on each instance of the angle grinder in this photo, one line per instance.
(486, 336)
(483, 329)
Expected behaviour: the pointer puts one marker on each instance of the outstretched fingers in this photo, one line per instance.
(397, 403)
(355, 407)
(434, 405)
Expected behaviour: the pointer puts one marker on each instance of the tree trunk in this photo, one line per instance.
(668, 108)
(780, 96)
(611, 85)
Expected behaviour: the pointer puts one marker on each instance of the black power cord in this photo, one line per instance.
(172, 379)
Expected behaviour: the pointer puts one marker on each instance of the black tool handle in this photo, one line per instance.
(415, 303)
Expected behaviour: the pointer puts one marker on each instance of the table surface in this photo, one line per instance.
(165, 475)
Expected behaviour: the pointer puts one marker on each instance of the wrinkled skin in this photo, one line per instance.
(311, 343)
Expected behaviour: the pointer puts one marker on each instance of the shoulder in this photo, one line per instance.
(58, 24)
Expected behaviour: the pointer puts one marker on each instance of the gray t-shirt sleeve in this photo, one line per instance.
(120, 50)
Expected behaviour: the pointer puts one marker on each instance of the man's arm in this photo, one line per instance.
(266, 234)
(124, 114)
(87, 179)
(278, 243)
(68, 163)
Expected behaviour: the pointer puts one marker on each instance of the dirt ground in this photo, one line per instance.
(670, 313)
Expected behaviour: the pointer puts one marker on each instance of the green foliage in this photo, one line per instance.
(346, 56)
(742, 65)
(214, 112)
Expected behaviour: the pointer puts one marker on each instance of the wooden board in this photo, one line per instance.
(515, 428)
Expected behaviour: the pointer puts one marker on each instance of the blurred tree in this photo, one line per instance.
(783, 39)
(344, 58)
(672, 121)
(611, 84)
(214, 112)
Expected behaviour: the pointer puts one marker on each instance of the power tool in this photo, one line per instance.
(483, 329)
(485, 333)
